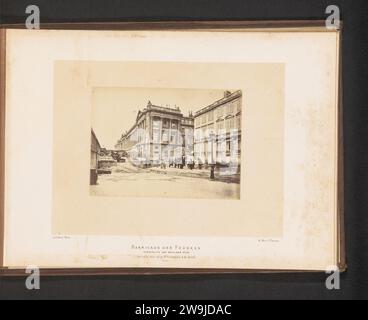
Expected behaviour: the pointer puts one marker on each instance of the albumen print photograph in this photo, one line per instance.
(170, 143)
(158, 148)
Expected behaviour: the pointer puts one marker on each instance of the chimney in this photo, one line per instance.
(227, 93)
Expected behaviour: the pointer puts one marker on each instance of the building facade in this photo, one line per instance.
(159, 135)
(217, 132)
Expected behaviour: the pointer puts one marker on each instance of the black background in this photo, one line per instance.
(354, 282)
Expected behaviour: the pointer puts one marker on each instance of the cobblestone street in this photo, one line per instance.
(127, 180)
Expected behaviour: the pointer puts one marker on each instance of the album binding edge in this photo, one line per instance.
(2, 142)
(169, 25)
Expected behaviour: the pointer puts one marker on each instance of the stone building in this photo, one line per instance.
(217, 132)
(159, 135)
(95, 154)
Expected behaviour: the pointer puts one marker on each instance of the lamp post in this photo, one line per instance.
(212, 172)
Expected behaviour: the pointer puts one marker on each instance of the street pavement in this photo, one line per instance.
(127, 180)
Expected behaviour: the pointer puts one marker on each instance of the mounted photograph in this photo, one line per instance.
(198, 149)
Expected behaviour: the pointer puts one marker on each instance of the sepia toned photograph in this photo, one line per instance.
(170, 143)
(181, 149)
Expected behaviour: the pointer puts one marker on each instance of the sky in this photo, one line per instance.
(114, 110)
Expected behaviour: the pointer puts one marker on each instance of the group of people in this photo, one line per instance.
(179, 163)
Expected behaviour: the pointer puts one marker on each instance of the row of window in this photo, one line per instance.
(166, 123)
(174, 123)
(187, 122)
(230, 108)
